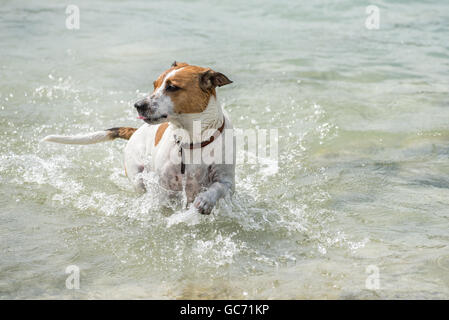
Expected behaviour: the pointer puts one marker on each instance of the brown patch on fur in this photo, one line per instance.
(160, 132)
(191, 98)
(196, 85)
(160, 79)
(121, 132)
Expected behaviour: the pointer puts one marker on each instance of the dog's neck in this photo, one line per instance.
(200, 126)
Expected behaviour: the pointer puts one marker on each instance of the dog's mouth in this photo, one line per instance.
(152, 120)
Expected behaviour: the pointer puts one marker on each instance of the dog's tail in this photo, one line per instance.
(94, 137)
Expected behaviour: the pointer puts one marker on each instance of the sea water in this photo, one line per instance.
(357, 206)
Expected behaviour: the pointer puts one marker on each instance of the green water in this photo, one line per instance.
(363, 174)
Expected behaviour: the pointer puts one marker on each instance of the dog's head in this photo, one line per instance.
(181, 89)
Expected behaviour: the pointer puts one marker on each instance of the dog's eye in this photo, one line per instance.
(172, 88)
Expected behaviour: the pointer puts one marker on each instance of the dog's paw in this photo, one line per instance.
(203, 204)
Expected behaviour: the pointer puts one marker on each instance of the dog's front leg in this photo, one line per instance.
(222, 178)
(207, 200)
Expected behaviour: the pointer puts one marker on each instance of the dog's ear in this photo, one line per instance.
(211, 79)
(178, 64)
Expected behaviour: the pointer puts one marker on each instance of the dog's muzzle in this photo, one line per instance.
(142, 105)
(147, 111)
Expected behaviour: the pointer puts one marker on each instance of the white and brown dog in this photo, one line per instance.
(182, 117)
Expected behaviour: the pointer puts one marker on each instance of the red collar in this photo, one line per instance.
(207, 142)
(198, 145)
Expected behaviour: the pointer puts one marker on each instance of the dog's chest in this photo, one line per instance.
(195, 178)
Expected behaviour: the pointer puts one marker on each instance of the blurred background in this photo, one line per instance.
(363, 179)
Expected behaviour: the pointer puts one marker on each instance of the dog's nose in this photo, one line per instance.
(141, 104)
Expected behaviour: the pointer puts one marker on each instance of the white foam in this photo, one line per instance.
(190, 217)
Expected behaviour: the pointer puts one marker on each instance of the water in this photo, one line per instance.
(363, 174)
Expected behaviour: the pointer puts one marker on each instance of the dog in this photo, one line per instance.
(182, 119)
